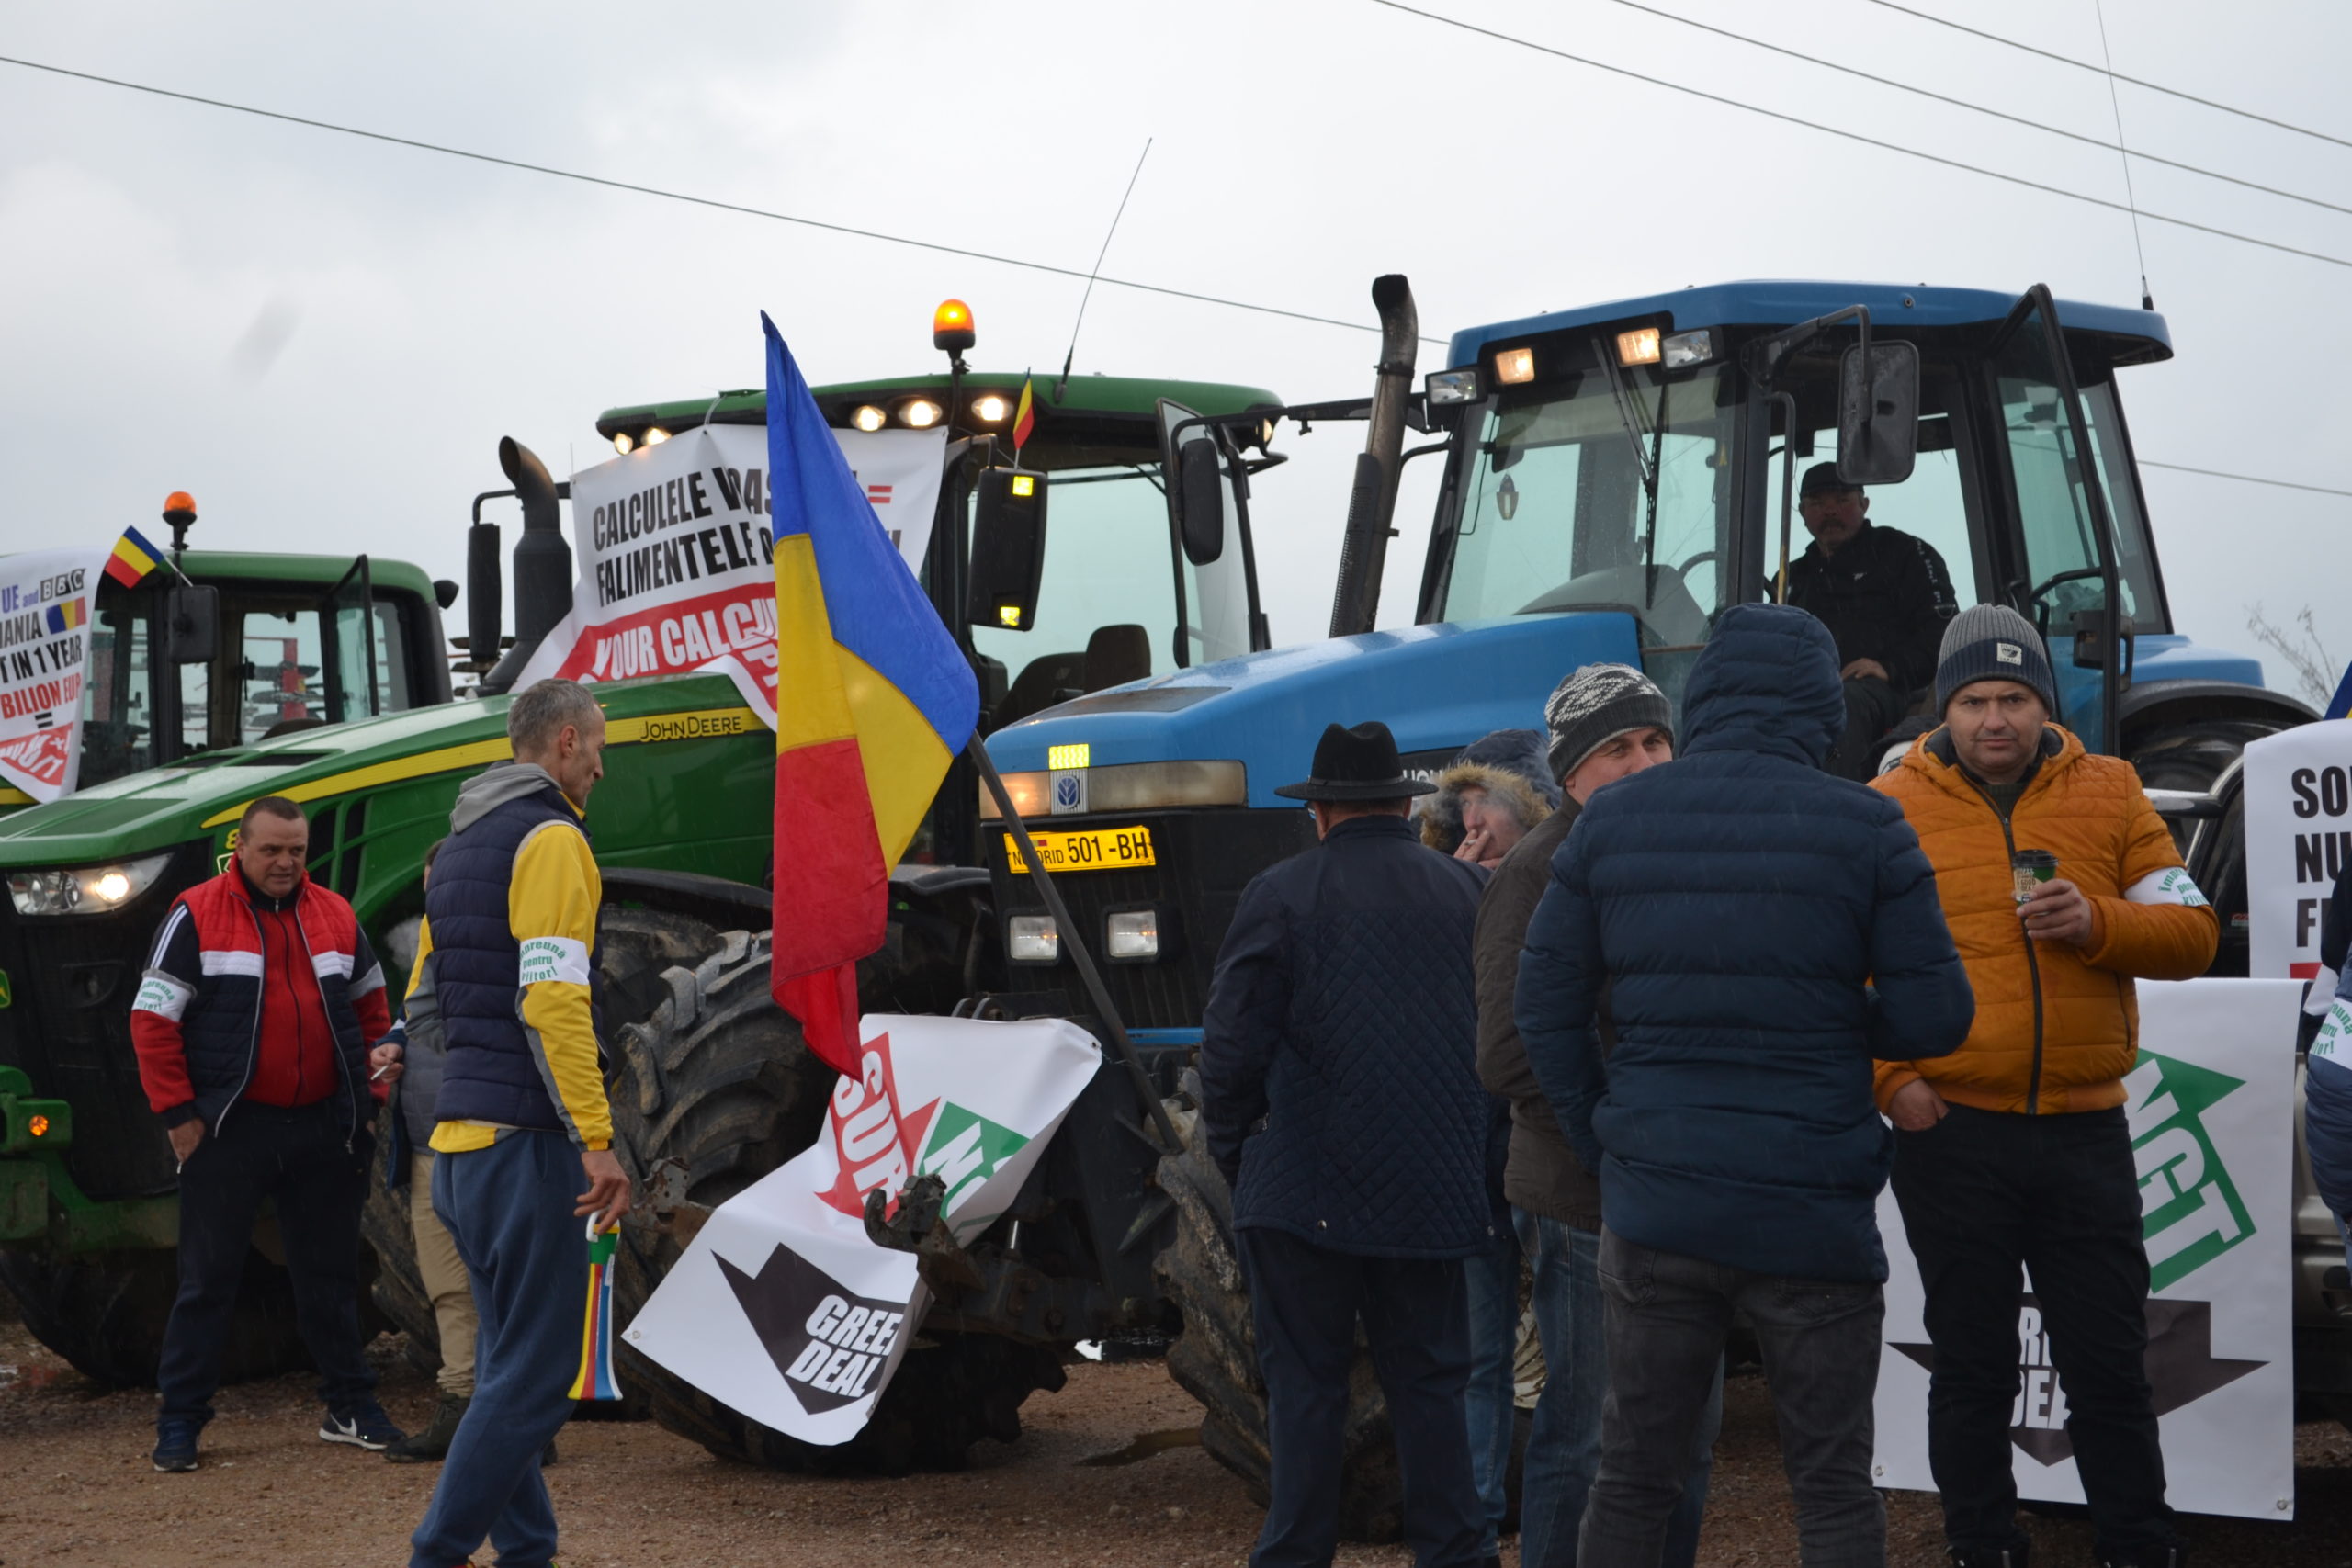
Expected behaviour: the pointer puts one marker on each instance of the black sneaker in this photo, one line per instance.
(175, 1446)
(363, 1425)
(431, 1445)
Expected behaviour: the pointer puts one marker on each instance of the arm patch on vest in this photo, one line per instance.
(2170, 886)
(556, 958)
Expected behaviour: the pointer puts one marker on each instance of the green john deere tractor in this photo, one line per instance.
(682, 826)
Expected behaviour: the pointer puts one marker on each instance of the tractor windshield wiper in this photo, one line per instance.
(1643, 461)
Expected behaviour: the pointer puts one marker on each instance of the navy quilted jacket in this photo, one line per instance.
(1767, 931)
(1339, 1079)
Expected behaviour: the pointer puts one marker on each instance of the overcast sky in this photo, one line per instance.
(323, 338)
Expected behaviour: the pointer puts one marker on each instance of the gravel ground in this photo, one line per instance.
(76, 1488)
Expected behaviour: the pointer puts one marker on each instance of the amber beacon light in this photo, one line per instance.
(951, 327)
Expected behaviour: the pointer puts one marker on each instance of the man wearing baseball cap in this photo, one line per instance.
(1883, 594)
(2061, 885)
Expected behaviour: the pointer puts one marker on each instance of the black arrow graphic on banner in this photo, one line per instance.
(829, 1343)
(2182, 1368)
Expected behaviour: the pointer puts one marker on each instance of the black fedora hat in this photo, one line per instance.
(1357, 764)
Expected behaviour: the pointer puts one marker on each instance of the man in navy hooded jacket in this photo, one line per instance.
(1763, 933)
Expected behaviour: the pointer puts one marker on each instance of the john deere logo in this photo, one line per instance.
(965, 1147)
(2190, 1210)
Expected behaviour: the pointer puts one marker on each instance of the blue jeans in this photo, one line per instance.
(508, 1208)
(1492, 1404)
(1564, 1450)
(1669, 1315)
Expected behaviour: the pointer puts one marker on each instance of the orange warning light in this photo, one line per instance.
(179, 500)
(951, 327)
(38, 1126)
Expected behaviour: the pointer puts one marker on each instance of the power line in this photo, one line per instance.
(2135, 81)
(2242, 478)
(1858, 136)
(2114, 146)
(683, 196)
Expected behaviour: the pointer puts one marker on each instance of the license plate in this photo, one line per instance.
(1095, 849)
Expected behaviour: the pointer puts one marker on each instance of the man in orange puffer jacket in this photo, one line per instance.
(2014, 1150)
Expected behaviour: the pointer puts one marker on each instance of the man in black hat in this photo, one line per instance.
(1340, 1098)
(1883, 594)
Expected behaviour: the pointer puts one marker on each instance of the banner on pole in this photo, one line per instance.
(781, 1307)
(2211, 1103)
(46, 601)
(674, 550)
(2298, 839)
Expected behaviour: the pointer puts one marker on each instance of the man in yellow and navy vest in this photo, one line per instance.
(521, 1121)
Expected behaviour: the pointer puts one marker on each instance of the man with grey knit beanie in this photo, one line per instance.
(1605, 722)
(2013, 1154)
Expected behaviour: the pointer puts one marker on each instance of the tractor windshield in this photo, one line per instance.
(1106, 607)
(1579, 497)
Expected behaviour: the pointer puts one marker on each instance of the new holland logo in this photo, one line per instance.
(829, 1343)
(965, 1147)
(2190, 1210)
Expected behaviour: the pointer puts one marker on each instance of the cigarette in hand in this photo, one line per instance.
(380, 1072)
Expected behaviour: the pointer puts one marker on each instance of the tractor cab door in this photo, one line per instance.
(355, 665)
(1207, 490)
(2064, 565)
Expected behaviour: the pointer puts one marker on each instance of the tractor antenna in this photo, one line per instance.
(1062, 385)
(2147, 300)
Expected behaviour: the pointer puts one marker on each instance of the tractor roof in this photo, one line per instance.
(1097, 396)
(2133, 337)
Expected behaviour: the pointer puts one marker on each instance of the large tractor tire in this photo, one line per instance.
(105, 1312)
(717, 1079)
(2195, 757)
(635, 947)
(1216, 1357)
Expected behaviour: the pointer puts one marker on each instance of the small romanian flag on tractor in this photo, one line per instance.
(873, 700)
(133, 559)
(1024, 418)
(596, 1379)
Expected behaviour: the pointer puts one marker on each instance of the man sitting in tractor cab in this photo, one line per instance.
(1883, 594)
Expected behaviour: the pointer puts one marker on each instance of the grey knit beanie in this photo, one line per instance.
(1993, 642)
(1597, 703)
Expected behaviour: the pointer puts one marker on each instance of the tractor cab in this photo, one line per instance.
(1643, 457)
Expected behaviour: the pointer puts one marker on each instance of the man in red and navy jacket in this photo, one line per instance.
(252, 1024)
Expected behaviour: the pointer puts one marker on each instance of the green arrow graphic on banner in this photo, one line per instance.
(2190, 1210)
(965, 1147)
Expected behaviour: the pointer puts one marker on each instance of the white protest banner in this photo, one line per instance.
(781, 1307)
(2298, 838)
(2211, 1103)
(675, 562)
(46, 602)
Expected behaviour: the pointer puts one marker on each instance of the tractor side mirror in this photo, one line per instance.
(191, 623)
(2090, 638)
(1200, 477)
(1007, 549)
(1878, 424)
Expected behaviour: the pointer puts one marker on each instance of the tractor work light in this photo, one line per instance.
(623, 443)
(1132, 934)
(1451, 386)
(89, 890)
(952, 330)
(655, 435)
(1132, 786)
(869, 418)
(990, 409)
(921, 414)
(1638, 346)
(1685, 349)
(1515, 367)
(1032, 939)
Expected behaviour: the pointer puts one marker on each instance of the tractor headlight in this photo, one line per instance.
(1132, 786)
(1452, 386)
(1032, 939)
(85, 890)
(1685, 349)
(1133, 934)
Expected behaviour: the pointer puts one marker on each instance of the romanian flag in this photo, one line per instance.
(873, 700)
(1025, 419)
(66, 616)
(133, 559)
